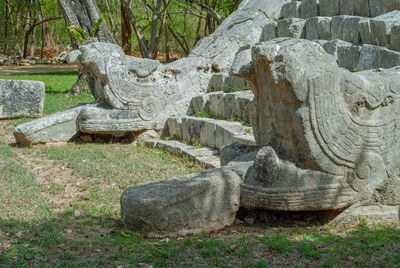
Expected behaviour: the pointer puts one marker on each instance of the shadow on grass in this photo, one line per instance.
(71, 240)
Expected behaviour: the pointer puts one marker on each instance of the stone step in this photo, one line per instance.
(205, 156)
(219, 104)
(312, 8)
(360, 57)
(209, 132)
(383, 30)
(225, 82)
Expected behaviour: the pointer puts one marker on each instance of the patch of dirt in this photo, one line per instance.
(39, 69)
(6, 131)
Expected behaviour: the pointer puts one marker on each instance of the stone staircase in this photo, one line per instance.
(362, 35)
(200, 138)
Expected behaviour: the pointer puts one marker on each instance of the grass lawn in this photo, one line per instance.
(59, 207)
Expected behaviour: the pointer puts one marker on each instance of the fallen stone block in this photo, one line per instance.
(58, 127)
(204, 201)
(20, 98)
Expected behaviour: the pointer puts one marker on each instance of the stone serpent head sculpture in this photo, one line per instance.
(332, 136)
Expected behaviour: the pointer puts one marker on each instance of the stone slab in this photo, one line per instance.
(292, 28)
(58, 127)
(381, 27)
(309, 8)
(291, 10)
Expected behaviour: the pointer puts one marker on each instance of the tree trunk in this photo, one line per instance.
(84, 14)
(126, 31)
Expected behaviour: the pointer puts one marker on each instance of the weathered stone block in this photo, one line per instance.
(270, 31)
(19, 98)
(224, 133)
(337, 27)
(348, 56)
(318, 28)
(364, 28)
(203, 201)
(395, 37)
(292, 28)
(329, 7)
(350, 29)
(361, 8)
(200, 130)
(373, 57)
(291, 10)
(58, 127)
(346, 7)
(175, 127)
(312, 28)
(381, 27)
(309, 8)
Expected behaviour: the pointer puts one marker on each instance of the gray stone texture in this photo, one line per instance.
(381, 27)
(347, 7)
(330, 135)
(329, 8)
(270, 31)
(364, 28)
(19, 98)
(361, 8)
(395, 37)
(309, 8)
(346, 28)
(379, 7)
(291, 10)
(203, 201)
(318, 28)
(292, 28)
(373, 57)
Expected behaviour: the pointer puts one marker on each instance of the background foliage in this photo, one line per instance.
(185, 22)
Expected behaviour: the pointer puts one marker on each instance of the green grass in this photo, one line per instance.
(59, 207)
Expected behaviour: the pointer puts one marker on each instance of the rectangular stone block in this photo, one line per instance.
(337, 27)
(374, 57)
(350, 29)
(329, 8)
(318, 28)
(270, 31)
(309, 8)
(361, 8)
(201, 130)
(217, 106)
(348, 57)
(364, 28)
(381, 27)
(175, 127)
(324, 27)
(292, 28)
(291, 10)
(312, 28)
(346, 7)
(19, 98)
(395, 38)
